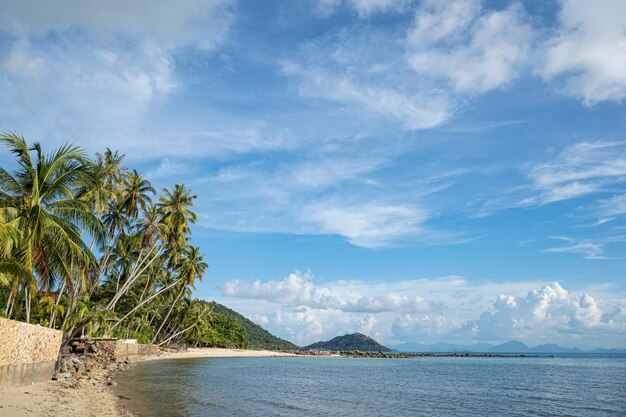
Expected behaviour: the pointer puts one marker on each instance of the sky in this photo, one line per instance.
(418, 171)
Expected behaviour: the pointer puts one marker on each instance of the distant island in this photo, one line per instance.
(349, 342)
(508, 347)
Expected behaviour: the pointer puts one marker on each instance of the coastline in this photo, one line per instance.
(94, 397)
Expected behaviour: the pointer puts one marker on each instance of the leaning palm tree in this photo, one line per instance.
(39, 199)
(192, 267)
(195, 316)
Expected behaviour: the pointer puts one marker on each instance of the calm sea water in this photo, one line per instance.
(562, 386)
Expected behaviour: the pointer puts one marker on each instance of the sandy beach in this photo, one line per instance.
(94, 398)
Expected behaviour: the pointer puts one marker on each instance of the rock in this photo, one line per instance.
(64, 366)
(77, 375)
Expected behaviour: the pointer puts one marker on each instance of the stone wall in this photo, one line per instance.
(123, 350)
(28, 353)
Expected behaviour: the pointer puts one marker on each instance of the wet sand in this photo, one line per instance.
(93, 397)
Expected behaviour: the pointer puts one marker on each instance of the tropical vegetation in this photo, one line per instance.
(89, 247)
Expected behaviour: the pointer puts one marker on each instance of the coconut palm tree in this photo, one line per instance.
(135, 194)
(176, 215)
(192, 267)
(40, 200)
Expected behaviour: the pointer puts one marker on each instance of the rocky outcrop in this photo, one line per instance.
(83, 361)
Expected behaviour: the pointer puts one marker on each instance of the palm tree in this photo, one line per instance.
(176, 215)
(40, 200)
(134, 195)
(196, 316)
(192, 267)
(112, 162)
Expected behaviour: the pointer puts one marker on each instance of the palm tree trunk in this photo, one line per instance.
(176, 334)
(27, 303)
(168, 314)
(10, 300)
(144, 302)
(56, 305)
(135, 273)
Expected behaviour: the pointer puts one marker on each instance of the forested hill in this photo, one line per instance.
(258, 337)
(349, 342)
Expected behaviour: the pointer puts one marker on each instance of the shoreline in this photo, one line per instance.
(95, 396)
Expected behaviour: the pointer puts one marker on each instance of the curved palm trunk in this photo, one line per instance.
(168, 314)
(138, 306)
(56, 305)
(177, 334)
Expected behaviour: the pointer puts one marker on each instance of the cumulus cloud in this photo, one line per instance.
(547, 311)
(588, 53)
(448, 309)
(474, 49)
(298, 289)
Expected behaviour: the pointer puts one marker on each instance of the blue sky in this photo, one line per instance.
(415, 170)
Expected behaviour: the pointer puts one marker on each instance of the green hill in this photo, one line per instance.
(258, 337)
(349, 342)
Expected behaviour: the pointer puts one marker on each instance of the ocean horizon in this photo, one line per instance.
(546, 385)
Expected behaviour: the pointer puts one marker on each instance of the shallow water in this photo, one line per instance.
(308, 386)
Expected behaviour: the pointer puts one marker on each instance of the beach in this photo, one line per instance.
(94, 397)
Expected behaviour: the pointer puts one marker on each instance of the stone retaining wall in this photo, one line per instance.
(122, 350)
(27, 353)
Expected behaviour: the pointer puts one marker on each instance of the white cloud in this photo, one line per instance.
(586, 313)
(476, 50)
(447, 309)
(550, 313)
(588, 54)
(167, 168)
(413, 109)
(90, 71)
(612, 206)
(74, 88)
(367, 224)
(298, 289)
(589, 250)
(343, 191)
(364, 8)
(364, 70)
(579, 169)
(199, 22)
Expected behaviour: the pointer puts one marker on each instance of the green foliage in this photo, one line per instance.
(87, 247)
(222, 331)
(258, 337)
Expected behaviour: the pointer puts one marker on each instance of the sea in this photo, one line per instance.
(563, 385)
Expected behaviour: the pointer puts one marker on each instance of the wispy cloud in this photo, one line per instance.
(368, 224)
(579, 169)
(341, 67)
(588, 250)
(364, 8)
